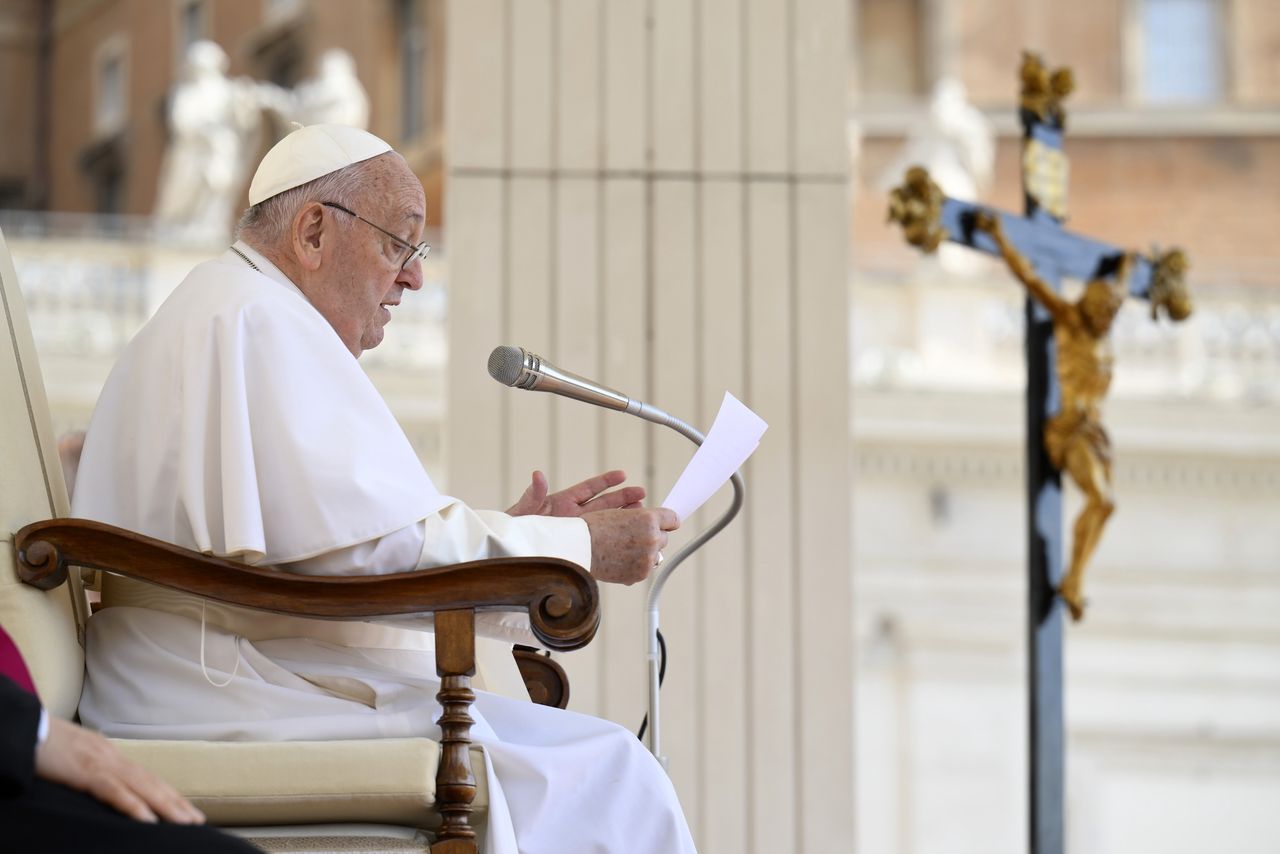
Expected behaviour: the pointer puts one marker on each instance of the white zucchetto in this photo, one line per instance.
(310, 153)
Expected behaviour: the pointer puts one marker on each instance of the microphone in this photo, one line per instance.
(518, 368)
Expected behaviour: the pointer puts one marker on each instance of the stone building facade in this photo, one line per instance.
(86, 84)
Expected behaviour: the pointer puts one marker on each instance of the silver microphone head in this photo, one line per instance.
(518, 368)
(507, 364)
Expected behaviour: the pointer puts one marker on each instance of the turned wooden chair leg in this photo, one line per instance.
(455, 782)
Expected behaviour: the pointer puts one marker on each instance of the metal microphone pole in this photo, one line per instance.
(669, 566)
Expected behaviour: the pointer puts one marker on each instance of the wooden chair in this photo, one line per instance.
(398, 789)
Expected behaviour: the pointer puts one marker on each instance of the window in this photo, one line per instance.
(190, 24)
(413, 69)
(110, 88)
(281, 11)
(1182, 51)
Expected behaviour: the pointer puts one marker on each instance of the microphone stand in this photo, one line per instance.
(657, 416)
(518, 368)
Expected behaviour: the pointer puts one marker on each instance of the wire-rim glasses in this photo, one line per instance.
(411, 251)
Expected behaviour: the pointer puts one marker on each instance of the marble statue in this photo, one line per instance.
(215, 125)
(334, 95)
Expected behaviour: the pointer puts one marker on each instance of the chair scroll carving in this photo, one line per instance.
(545, 679)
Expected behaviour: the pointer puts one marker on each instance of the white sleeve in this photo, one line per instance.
(456, 534)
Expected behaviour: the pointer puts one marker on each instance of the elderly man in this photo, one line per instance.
(238, 423)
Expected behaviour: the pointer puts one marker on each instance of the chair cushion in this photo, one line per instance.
(391, 780)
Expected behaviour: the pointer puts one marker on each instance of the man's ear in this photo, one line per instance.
(308, 234)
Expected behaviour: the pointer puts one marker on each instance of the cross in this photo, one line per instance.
(1041, 252)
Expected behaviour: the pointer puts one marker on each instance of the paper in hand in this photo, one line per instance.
(733, 437)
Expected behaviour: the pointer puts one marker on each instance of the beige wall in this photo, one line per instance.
(656, 195)
(979, 40)
(19, 35)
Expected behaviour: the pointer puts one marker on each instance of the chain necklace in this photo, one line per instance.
(246, 259)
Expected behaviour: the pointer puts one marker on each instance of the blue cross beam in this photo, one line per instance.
(928, 218)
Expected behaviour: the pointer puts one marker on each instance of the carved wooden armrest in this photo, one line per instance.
(560, 597)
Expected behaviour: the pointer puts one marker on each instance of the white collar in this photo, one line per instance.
(241, 252)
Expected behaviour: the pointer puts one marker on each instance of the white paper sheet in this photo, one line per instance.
(733, 436)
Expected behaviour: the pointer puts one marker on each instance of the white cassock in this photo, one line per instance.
(237, 423)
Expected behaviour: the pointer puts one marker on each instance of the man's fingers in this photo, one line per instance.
(628, 496)
(667, 519)
(111, 789)
(593, 486)
(162, 798)
(538, 487)
(532, 499)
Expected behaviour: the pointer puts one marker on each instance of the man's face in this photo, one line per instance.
(361, 278)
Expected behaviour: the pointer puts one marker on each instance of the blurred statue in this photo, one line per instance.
(334, 96)
(214, 125)
(955, 144)
(1075, 439)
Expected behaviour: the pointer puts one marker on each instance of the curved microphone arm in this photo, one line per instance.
(653, 654)
(739, 494)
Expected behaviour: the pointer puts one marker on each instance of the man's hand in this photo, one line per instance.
(87, 762)
(625, 543)
(586, 497)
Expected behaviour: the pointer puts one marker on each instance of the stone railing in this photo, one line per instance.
(925, 328)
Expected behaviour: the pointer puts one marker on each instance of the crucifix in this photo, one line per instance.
(1069, 365)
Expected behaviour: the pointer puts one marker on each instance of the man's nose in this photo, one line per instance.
(411, 275)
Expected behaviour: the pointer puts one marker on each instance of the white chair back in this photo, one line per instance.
(43, 625)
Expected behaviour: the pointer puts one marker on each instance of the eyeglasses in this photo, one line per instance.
(410, 250)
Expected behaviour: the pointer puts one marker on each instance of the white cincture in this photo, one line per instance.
(203, 668)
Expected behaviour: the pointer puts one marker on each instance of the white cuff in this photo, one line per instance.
(42, 731)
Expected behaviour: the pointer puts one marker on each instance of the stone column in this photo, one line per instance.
(654, 193)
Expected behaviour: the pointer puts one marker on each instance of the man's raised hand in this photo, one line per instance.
(587, 497)
(625, 543)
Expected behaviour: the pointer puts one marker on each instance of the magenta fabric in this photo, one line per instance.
(12, 665)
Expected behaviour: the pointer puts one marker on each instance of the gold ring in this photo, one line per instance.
(658, 562)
